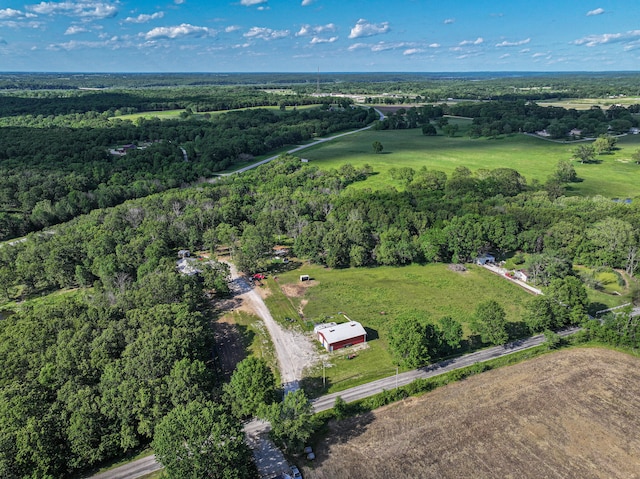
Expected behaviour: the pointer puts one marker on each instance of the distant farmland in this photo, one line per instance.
(568, 414)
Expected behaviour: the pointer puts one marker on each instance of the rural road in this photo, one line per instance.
(138, 468)
(365, 390)
(303, 147)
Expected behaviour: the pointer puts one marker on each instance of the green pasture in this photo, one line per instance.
(616, 176)
(173, 114)
(587, 103)
(376, 296)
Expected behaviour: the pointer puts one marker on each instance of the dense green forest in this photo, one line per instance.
(89, 376)
(106, 347)
(51, 171)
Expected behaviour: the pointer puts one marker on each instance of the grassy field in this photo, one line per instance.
(615, 177)
(568, 414)
(587, 103)
(173, 114)
(376, 296)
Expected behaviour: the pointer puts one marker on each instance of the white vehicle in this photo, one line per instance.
(296, 473)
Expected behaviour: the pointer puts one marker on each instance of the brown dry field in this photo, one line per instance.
(570, 414)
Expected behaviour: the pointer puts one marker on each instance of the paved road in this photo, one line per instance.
(134, 469)
(303, 147)
(360, 392)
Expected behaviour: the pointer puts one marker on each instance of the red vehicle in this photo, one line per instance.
(259, 276)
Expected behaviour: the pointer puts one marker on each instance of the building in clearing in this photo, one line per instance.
(335, 336)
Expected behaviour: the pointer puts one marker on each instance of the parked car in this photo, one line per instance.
(296, 473)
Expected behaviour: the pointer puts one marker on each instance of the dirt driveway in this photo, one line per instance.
(294, 350)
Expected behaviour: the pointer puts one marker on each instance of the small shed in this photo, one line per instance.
(484, 259)
(336, 336)
(522, 275)
(304, 277)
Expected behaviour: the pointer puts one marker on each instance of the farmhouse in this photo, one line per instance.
(335, 336)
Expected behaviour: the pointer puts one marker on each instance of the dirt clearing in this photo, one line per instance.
(564, 415)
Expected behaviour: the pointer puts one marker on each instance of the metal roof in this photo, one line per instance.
(342, 332)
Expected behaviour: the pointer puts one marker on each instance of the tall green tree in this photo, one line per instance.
(201, 440)
(292, 421)
(491, 322)
(252, 386)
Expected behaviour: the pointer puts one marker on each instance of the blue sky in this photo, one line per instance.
(332, 35)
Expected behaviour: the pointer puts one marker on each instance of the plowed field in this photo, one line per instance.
(571, 414)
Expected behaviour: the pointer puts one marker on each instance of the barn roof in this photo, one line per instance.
(342, 332)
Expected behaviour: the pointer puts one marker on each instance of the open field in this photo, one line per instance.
(173, 114)
(615, 177)
(587, 103)
(572, 413)
(376, 296)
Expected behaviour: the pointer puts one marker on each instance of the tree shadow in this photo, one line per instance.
(517, 330)
(596, 306)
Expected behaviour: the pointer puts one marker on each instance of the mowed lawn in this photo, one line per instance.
(377, 296)
(615, 177)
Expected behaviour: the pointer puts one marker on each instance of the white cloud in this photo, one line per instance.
(311, 30)
(178, 31)
(525, 50)
(513, 44)
(434, 45)
(597, 11)
(538, 55)
(449, 21)
(506, 55)
(74, 29)
(306, 3)
(251, 3)
(15, 14)
(266, 33)
(144, 17)
(232, 28)
(412, 51)
(593, 40)
(179, 2)
(90, 10)
(357, 46)
(363, 28)
(477, 41)
(316, 40)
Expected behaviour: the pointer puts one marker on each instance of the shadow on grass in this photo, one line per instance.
(517, 330)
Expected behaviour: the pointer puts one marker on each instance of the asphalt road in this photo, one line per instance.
(303, 147)
(365, 390)
(138, 468)
(133, 470)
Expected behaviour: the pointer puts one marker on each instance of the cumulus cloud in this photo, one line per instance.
(597, 11)
(363, 28)
(513, 44)
(593, 40)
(74, 29)
(316, 40)
(266, 33)
(144, 18)
(412, 51)
(384, 46)
(251, 3)
(178, 31)
(315, 30)
(88, 10)
(306, 3)
(449, 21)
(6, 13)
(231, 28)
(434, 45)
(477, 41)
